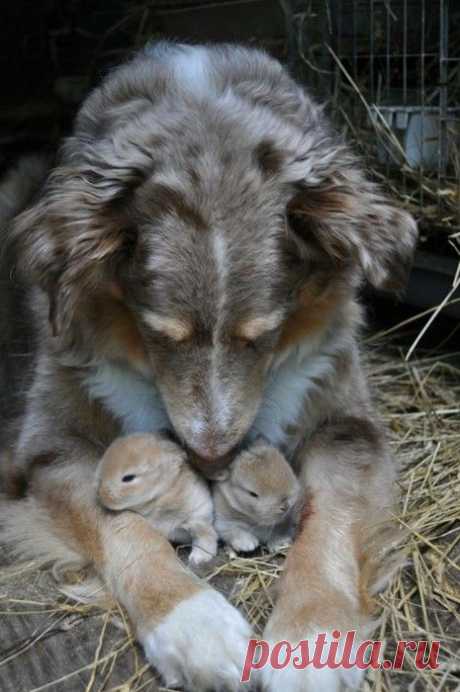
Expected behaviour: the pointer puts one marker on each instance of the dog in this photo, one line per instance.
(193, 263)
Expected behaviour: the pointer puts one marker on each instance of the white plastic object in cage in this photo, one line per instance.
(418, 130)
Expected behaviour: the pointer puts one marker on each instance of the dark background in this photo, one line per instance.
(54, 51)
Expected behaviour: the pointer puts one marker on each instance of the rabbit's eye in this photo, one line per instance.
(253, 494)
(128, 478)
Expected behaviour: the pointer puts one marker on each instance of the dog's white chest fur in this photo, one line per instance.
(286, 393)
(137, 404)
(134, 401)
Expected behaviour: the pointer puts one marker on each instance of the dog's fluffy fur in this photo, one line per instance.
(194, 260)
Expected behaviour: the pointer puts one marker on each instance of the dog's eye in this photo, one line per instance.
(175, 329)
(129, 478)
(253, 494)
(248, 344)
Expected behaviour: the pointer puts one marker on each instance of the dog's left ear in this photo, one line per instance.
(349, 218)
(70, 239)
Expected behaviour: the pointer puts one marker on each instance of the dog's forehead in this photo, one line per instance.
(214, 236)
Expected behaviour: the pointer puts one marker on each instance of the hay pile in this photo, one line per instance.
(340, 69)
(420, 401)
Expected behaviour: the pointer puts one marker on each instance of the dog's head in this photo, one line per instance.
(203, 221)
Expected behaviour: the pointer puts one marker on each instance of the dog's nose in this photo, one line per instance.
(206, 453)
(209, 446)
(209, 465)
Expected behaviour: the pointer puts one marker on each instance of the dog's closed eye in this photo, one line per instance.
(247, 343)
(172, 327)
(251, 329)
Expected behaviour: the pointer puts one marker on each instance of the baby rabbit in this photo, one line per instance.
(152, 477)
(256, 502)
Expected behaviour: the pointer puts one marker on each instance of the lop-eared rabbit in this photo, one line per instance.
(193, 261)
(144, 473)
(257, 501)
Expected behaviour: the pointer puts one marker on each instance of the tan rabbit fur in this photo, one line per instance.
(256, 502)
(152, 477)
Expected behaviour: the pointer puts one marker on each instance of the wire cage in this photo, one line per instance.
(390, 70)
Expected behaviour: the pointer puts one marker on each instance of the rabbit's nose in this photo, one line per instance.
(284, 505)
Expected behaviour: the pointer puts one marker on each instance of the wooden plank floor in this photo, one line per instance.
(46, 644)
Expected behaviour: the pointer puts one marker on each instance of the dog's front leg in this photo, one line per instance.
(333, 566)
(189, 632)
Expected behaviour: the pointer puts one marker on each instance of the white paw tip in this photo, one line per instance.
(201, 643)
(310, 678)
(245, 544)
(199, 558)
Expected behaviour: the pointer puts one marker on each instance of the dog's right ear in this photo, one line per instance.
(36, 251)
(355, 224)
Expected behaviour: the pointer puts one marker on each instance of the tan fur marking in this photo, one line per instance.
(151, 555)
(305, 512)
(256, 326)
(312, 316)
(367, 575)
(323, 603)
(176, 329)
(116, 332)
(75, 520)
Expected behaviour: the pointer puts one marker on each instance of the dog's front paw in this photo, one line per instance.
(293, 680)
(297, 677)
(200, 645)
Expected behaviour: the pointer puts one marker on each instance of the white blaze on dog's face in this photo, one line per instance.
(137, 469)
(204, 222)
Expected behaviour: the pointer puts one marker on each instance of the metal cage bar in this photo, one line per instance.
(401, 58)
